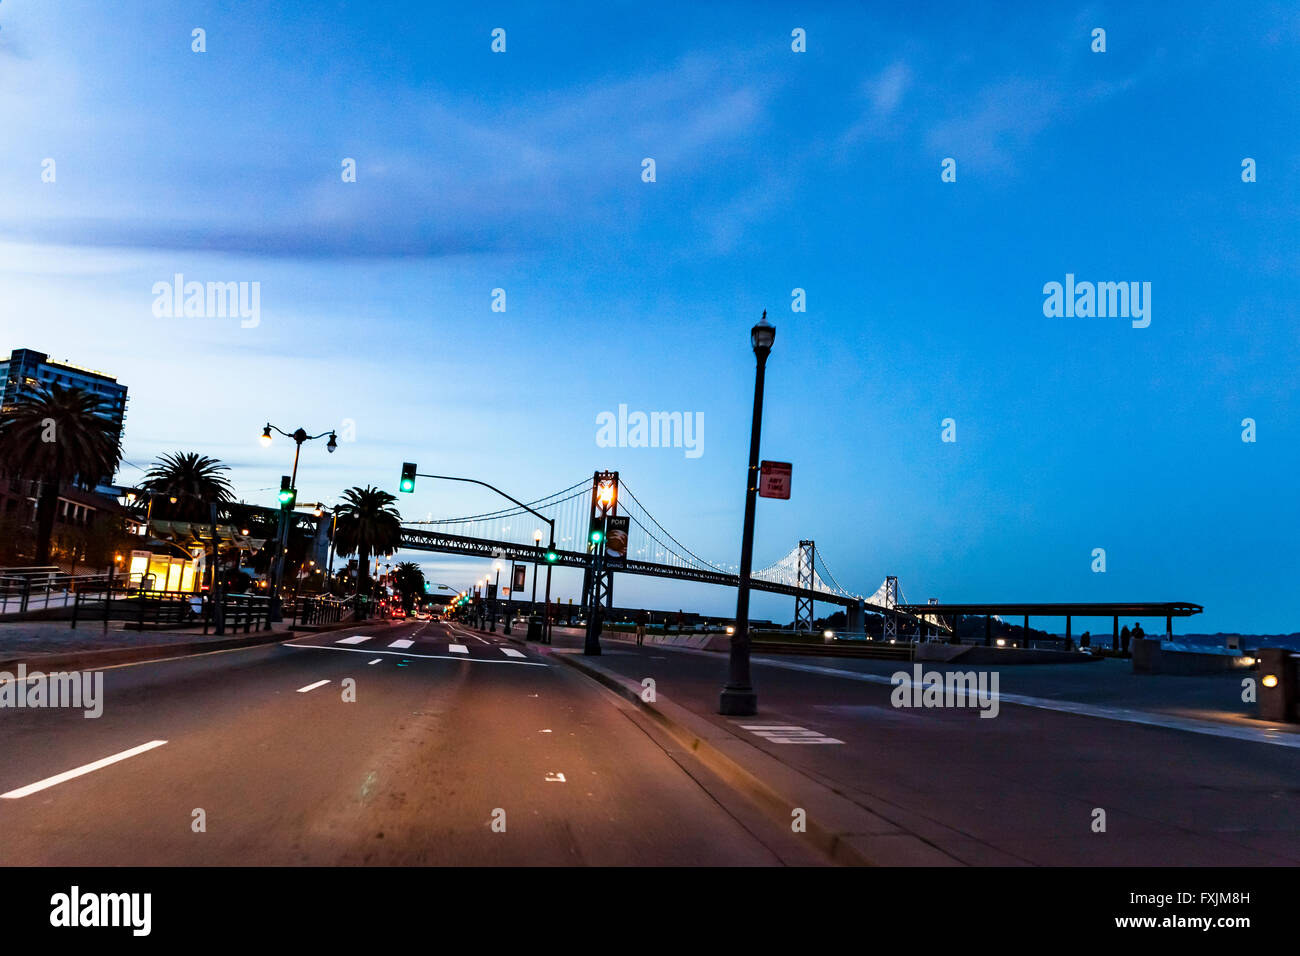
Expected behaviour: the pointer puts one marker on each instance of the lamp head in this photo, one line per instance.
(762, 335)
(266, 435)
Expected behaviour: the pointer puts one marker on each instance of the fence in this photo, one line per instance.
(27, 590)
(141, 609)
(309, 611)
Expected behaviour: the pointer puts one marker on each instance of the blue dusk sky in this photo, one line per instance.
(775, 170)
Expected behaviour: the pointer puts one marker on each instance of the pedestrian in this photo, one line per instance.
(1138, 633)
(1085, 640)
(641, 619)
(1124, 637)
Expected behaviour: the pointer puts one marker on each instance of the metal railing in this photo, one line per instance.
(322, 610)
(25, 590)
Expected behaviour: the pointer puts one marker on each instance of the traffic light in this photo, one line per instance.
(596, 535)
(287, 494)
(408, 477)
(551, 556)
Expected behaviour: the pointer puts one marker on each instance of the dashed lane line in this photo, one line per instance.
(58, 778)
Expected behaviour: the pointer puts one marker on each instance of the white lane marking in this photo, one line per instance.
(1261, 735)
(401, 643)
(510, 652)
(543, 731)
(409, 655)
(789, 734)
(355, 639)
(555, 778)
(477, 638)
(79, 771)
(458, 648)
(376, 660)
(319, 683)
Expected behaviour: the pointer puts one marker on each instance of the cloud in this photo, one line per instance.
(435, 177)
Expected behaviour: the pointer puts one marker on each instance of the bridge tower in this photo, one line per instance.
(806, 578)
(599, 590)
(891, 602)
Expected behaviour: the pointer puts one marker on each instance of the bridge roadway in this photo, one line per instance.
(418, 540)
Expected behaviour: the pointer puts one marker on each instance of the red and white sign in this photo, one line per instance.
(774, 479)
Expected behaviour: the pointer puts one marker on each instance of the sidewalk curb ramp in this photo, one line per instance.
(89, 660)
(845, 832)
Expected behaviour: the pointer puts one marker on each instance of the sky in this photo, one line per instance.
(774, 171)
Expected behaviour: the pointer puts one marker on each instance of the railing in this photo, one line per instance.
(141, 609)
(323, 610)
(24, 590)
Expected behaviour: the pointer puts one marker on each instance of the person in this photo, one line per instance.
(1138, 633)
(1124, 637)
(1085, 640)
(641, 619)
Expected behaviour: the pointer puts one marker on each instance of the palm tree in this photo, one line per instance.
(60, 436)
(194, 480)
(367, 524)
(408, 578)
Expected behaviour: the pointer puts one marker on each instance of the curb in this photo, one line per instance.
(847, 833)
(88, 660)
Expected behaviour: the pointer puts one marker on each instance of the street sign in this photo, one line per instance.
(774, 479)
(616, 534)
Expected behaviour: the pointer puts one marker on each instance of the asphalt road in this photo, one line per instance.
(1023, 787)
(448, 733)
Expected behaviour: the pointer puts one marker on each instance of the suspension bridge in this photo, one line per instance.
(511, 534)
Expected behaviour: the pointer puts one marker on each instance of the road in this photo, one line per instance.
(1023, 787)
(449, 732)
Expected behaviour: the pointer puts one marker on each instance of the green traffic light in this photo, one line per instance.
(552, 557)
(595, 537)
(408, 485)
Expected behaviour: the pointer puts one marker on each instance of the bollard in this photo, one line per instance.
(1277, 684)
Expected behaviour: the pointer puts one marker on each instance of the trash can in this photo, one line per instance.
(534, 627)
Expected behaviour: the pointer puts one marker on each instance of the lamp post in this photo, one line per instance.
(738, 698)
(282, 537)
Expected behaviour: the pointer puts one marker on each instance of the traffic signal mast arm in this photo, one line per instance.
(474, 481)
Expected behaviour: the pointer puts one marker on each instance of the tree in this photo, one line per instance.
(60, 436)
(408, 578)
(368, 524)
(195, 481)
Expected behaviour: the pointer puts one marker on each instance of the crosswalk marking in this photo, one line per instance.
(354, 639)
(510, 652)
(789, 734)
(458, 648)
(403, 644)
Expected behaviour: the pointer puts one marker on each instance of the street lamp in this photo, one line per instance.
(282, 536)
(738, 698)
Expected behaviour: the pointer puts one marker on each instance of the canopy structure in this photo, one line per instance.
(197, 534)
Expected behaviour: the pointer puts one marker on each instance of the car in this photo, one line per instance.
(397, 614)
